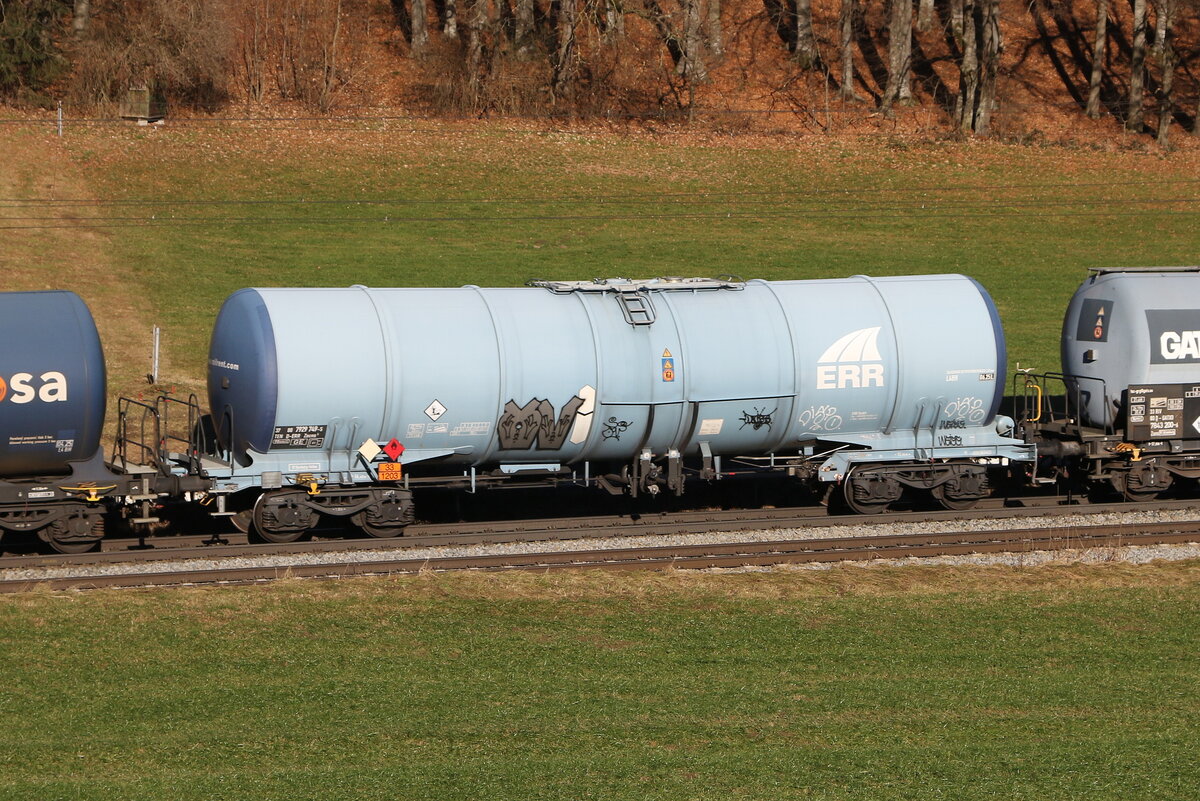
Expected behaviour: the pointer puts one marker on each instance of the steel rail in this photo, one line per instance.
(738, 554)
(170, 546)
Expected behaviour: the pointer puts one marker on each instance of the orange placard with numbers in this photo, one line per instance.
(389, 471)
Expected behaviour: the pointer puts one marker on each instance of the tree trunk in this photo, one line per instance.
(899, 55)
(1164, 42)
(564, 59)
(990, 65)
(806, 42)
(82, 19)
(420, 28)
(1137, 67)
(924, 15)
(716, 44)
(523, 31)
(968, 74)
(476, 21)
(692, 65)
(614, 20)
(956, 22)
(1099, 42)
(450, 19)
(846, 46)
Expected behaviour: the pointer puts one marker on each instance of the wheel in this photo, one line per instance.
(1143, 481)
(243, 520)
(76, 534)
(382, 532)
(387, 517)
(869, 493)
(963, 489)
(940, 495)
(282, 518)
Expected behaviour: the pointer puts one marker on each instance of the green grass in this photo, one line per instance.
(699, 688)
(493, 207)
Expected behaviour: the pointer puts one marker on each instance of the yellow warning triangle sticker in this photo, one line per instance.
(1101, 312)
(666, 353)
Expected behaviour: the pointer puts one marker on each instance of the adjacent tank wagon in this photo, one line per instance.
(1129, 415)
(335, 401)
(52, 402)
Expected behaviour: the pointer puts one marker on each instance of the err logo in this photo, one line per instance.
(49, 387)
(853, 361)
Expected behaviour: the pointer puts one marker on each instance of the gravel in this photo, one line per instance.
(1130, 554)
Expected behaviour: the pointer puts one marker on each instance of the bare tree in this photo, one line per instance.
(1099, 41)
(806, 43)
(254, 35)
(1137, 67)
(899, 55)
(956, 21)
(449, 19)
(523, 29)
(477, 16)
(1165, 46)
(924, 15)
(849, 8)
(713, 23)
(81, 19)
(419, 41)
(990, 46)
(614, 20)
(692, 66)
(564, 59)
(968, 71)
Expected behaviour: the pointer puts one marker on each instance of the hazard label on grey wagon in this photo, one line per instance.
(296, 437)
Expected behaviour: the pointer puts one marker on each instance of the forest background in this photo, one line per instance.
(1020, 70)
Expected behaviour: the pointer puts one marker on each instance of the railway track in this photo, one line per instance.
(713, 555)
(178, 546)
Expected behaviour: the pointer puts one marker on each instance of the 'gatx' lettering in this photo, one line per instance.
(1177, 345)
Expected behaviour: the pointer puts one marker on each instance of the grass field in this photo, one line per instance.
(190, 213)
(891, 683)
(1059, 683)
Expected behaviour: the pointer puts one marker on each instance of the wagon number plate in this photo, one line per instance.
(389, 471)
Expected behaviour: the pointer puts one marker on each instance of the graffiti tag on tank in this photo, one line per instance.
(820, 418)
(521, 426)
(969, 410)
(614, 428)
(758, 419)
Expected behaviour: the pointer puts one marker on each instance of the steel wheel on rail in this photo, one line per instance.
(283, 516)
(243, 520)
(386, 517)
(79, 533)
(870, 491)
(947, 501)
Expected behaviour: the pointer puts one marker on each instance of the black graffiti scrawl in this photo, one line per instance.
(759, 418)
(521, 426)
(614, 428)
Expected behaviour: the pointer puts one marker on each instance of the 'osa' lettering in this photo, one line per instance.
(49, 387)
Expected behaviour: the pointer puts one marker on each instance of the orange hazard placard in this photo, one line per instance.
(389, 471)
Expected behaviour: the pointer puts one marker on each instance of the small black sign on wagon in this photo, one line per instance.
(1163, 411)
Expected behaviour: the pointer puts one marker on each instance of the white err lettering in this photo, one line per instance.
(857, 376)
(1180, 344)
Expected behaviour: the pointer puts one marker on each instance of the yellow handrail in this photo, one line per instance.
(1038, 388)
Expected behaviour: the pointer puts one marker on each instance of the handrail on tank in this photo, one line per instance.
(190, 438)
(149, 454)
(1036, 382)
(1078, 398)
